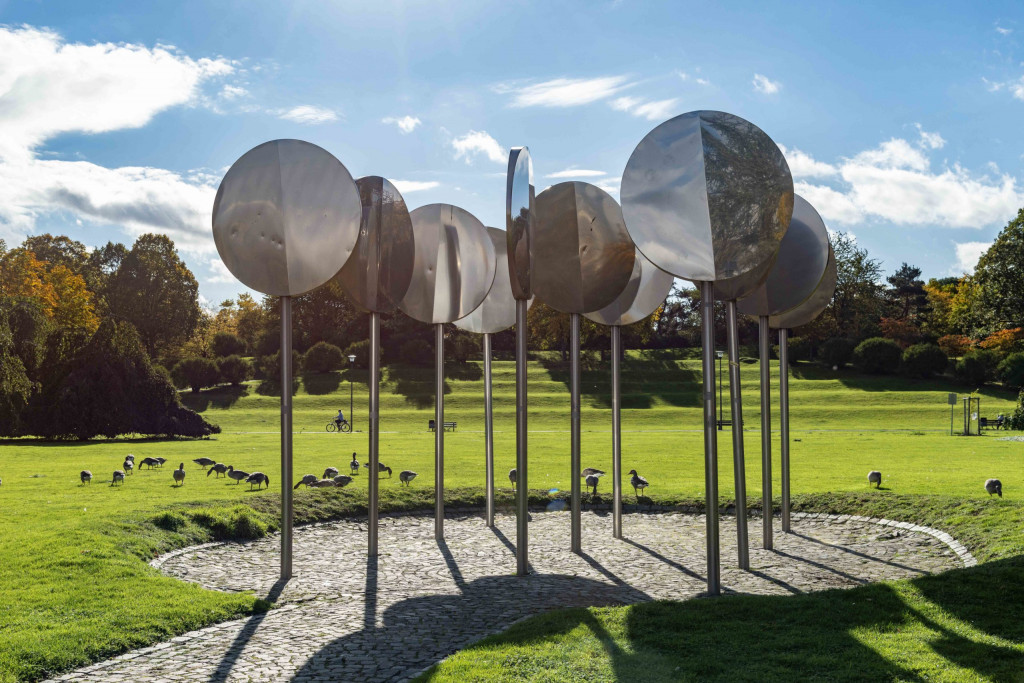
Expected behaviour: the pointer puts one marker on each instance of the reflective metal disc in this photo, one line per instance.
(454, 264)
(520, 220)
(648, 288)
(498, 310)
(582, 254)
(286, 217)
(798, 268)
(378, 273)
(815, 304)
(707, 196)
(743, 285)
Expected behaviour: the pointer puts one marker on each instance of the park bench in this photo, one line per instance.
(723, 423)
(989, 423)
(448, 426)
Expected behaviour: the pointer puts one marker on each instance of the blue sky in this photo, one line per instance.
(901, 121)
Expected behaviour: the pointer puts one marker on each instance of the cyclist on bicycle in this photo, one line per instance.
(339, 419)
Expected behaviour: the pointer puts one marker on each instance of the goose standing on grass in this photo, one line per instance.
(638, 482)
(118, 477)
(322, 484)
(179, 475)
(130, 457)
(330, 473)
(204, 462)
(592, 480)
(129, 466)
(220, 468)
(512, 477)
(591, 472)
(161, 461)
(406, 476)
(237, 475)
(151, 462)
(259, 479)
(875, 477)
(994, 486)
(85, 476)
(354, 465)
(342, 480)
(306, 480)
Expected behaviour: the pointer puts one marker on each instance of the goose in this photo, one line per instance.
(330, 473)
(592, 481)
(130, 457)
(128, 466)
(86, 476)
(342, 480)
(259, 479)
(161, 461)
(591, 472)
(237, 475)
(220, 468)
(152, 462)
(875, 477)
(204, 462)
(512, 477)
(406, 476)
(354, 465)
(307, 479)
(118, 477)
(994, 486)
(638, 482)
(179, 474)
(322, 483)
(381, 467)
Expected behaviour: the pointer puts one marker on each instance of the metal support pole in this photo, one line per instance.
(574, 430)
(616, 433)
(707, 304)
(784, 423)
(439, 433)
(287, 511)
(374, 384)
(764, 353)
(351, 412)
(488, 432)
(522, 496)
(738, 463)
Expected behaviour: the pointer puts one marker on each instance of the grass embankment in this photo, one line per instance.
(76, 589)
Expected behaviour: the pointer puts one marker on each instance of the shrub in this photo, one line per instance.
(877, 355)
(1011, 370)
(416, 352)
(837, 352)
(903, 332)
(270, 366)
(361, 350)
(323, 357)
(977, 366)
(1017, 418)
(799, 349)
(234, 369)
(955, 345)
(196, 373)
(227, 344)
(924, 360)
(464, 346)
(1004, 342)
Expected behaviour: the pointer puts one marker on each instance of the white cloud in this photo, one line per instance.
(564, 92)
(232, 92)
(967, 255)
(609, 185)
(696, 79)
(650, 110)
(407, 186)
(307, 113)
(801, 165)
(763, 84)
(1004, 31)
(703, 81)
(479, 142)
(1015, 87)
(575, 173)
(406, 124)
(221, 274)
(930, 140)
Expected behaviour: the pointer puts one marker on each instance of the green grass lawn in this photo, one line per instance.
(76, 588)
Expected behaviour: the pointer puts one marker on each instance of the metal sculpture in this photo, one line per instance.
(496, 313)
(520, 223)
(647, 289)
(582, 260)
(452, 272)
(377, 276)
(285, 220)
(797, 273)
(707, 196)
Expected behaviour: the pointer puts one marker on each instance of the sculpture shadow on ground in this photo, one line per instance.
(223, 670)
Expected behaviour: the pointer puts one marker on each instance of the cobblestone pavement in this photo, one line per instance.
(425, 600)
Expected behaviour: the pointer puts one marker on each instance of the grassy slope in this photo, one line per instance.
(75, 590)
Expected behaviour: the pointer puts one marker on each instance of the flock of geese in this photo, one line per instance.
(333, 478)
(254, 478)
(993, 487)
(591, 476)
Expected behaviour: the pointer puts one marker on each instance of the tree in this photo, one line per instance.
(1011, 370)
(907, 292)
(878, 356)
(154, 291)
(29, 328)
(234, 369)
(1000, 275)
(249, 319)
(196, 373)
(227, 344)
(924, 360)
(15, 386)
(323, 357)
(858, 304)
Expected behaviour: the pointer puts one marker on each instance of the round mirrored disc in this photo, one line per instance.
(815, 304)
(520, 220)
(736, 288)
(707, 196)
(497, 312)
(286, 217)
(798, 268)
(454, 264)
(582, 254)
(648, 288)
(378, 273)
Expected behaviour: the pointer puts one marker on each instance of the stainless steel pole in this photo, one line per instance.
(784, 423)
(574, 429)
(439, 433)
(488, 432)
(707, 304)
(738, 461)
(522, 497)
(374, 483)
(287, 511)
(616, 434)
(764, 352)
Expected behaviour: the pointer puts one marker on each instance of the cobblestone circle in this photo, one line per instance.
(339, 619)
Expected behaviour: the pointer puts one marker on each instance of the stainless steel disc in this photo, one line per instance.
(497, 312)
(647, 289)
(815, 304)
(520, 220)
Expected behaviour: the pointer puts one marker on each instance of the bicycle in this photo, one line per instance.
(345, 427)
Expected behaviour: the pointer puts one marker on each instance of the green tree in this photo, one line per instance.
(323, 357)
(858, 303)
(1000, 275)
(15, 386)
(878, 355)
(196, 373)
(234, 369)
(227, 344)
(907, 292)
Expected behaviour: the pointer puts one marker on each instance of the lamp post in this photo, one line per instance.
(351, 416)
(721, 416)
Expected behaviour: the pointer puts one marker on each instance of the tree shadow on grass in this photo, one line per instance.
(218, 397)
(320, 383)
(641, 381)
(417, 384)
(853, 379)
